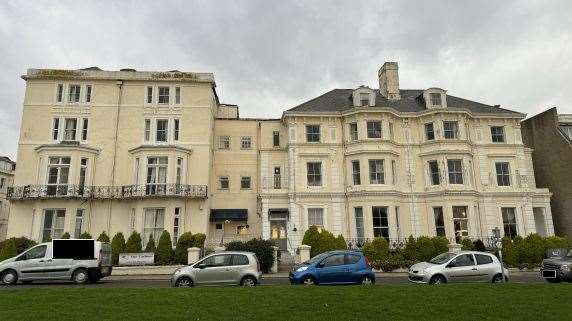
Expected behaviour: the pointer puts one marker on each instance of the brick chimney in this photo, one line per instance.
(388, 76)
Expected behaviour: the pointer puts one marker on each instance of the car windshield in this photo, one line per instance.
(316, 258)
(442, 258)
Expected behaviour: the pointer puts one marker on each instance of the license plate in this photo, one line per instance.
(548, 274)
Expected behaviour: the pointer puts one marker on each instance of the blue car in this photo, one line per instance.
(334, 267)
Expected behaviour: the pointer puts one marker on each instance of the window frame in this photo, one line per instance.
(434, 177)
(503, 177)
(455, 174)
(224, 143)
(314, 174)
(436, 99)
(276, 138)
(377, 174)
(155, 229)
(244, 179)
(509, 224)
(354, 133)
(164, 132)
(379, 216)
(356, 172)
(372, 133)
(497, 137)
(429, 131)
(313, 136)
(453, 132)
(246, 142)
(439, 220)
(164, 98)
(222, 179)
(315, 215)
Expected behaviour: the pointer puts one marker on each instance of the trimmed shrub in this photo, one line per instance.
(85, 236)
(164, 251)
(133, 244)
(321, 241)
(466, 244)
(410, 250)
(22, 243)
(478, 245)
(66, 236)
(8, 249)
(150, 245)
(376, 250)
(261, 248)
(509, 254)
(533, 250)
(312, 238)
(199, 240)
(425, 249)
(184, 242)
(340, 243)
(117, 246)
(441, 245)
(103, 237)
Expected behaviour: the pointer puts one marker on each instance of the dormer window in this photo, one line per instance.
(364, 99)
(435, 99)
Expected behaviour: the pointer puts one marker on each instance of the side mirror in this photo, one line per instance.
(202, 266)
(320, 265)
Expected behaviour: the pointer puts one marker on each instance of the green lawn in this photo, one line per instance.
(385, 302)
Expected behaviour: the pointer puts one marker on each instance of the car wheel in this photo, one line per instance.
(438, 279)
(9, 277)
(367, 280)
(248, 281)
(80, 276)
(309, 280)
(184, 282)
(498, 278)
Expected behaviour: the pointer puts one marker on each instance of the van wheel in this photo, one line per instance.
(248, 281)
(184, 282)
(309, 280)
(366, 280)
(80, 276)
(498, 278)
(9, 277)
(438, 279)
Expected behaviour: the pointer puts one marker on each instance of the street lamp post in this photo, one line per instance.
(498, 243)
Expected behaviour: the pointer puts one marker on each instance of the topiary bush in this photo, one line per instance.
(184, 242)
(340, 243)
(150, 247)
(441, 245)
(410, 249)
(164, 251)
(321, 241)
(117, 246)
(199, 240)
(85, 236)
(509, 254)
(312, 238)
(133, 244)
(261, 248)
(478, 245)
(424, 249)
(22, 243)
(8, 249)
(376, 250)
(103, 237)
(65, 236)
(466, 244)
(533, 250)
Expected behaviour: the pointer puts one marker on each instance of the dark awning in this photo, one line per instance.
(231, 214)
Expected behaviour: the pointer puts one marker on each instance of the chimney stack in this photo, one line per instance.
(389, 81)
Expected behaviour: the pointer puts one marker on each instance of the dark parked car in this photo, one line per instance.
(334, 267)
(557, 269)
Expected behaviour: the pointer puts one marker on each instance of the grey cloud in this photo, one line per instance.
(271, 55)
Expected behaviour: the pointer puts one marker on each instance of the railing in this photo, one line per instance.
(106, 192)
(275, 182)
(222, 240)
(398, 243)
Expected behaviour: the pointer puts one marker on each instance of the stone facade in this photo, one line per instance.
(7, 168)
(159, 151)
(550, 137)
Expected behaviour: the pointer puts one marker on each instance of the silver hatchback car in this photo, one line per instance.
(239, 268)
(465, 266)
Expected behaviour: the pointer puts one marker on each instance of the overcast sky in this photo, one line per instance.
(268, 56)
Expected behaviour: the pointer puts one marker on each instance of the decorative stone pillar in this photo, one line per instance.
(454, 248)
(274, 268)
(304, 252)
(219, 249)
(193, 254)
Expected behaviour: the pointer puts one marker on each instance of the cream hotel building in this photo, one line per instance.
(123, 151)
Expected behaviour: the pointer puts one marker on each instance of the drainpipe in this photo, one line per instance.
(119, 83)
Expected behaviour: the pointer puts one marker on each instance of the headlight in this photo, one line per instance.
(565, 267)
(302, 268)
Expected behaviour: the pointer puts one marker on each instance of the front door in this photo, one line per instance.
(278, 234)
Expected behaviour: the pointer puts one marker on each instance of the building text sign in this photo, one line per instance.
(137, 258)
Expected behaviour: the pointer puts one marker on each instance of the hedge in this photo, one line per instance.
(133, 244)
(22, 243)
(261, 248)
(376, 250)
(529, 252)
(164, 251)
(321, 241)
(103, 237)
(185, 241)
(8, 249)
(150, 247)
(65, 236)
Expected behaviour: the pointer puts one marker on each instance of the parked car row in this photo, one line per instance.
(85, 261)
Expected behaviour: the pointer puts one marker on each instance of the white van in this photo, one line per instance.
(79, 260)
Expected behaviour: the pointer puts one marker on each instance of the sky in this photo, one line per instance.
(269, 56)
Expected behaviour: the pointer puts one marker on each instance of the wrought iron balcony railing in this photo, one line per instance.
(106, 192)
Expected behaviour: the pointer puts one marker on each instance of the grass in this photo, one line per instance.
(386, 302)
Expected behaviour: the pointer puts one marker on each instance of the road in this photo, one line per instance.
(161, 281)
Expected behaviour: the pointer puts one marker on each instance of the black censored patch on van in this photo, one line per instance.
(74, 249)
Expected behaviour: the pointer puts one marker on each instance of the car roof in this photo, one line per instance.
(233, 252)
(344, 252)
(473, 252)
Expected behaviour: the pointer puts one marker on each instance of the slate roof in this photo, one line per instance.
(340, 100)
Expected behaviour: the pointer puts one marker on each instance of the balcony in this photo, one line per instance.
(105, 192)
(275, 182)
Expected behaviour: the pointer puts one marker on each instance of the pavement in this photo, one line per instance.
(162, 281)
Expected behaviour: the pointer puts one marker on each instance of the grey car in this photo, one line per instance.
(557, 269)
(238, 268)
(465, 266)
